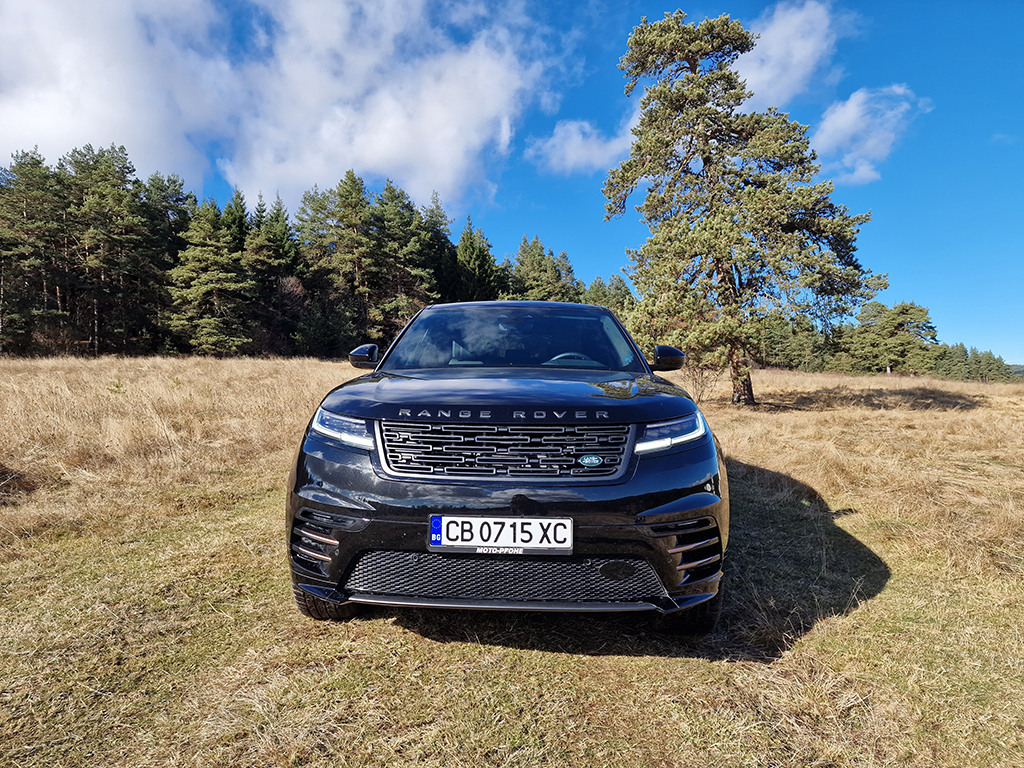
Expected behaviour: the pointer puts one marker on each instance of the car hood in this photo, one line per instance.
(504, 397)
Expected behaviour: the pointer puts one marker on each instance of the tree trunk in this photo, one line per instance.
(742, 386)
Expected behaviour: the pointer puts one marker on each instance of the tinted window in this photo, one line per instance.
(514, 337)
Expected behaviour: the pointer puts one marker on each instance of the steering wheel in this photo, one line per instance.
(571, 356)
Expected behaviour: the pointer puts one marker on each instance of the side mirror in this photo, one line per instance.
(364, 356)
(667, 358)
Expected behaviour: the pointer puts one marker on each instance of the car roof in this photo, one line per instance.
(515, 305)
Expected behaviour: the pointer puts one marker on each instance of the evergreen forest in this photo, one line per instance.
(95, 261)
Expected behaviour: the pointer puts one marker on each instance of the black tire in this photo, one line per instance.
(323, 610)
(699, 620)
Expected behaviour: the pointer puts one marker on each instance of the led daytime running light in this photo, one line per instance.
(343, 429)
(698, 430)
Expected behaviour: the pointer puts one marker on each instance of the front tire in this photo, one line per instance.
(323, 610)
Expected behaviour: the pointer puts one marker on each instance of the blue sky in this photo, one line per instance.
(514, 112)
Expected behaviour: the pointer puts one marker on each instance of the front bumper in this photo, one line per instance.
(651, 541)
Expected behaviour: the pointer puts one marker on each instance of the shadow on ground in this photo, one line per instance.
(15, 485)
(788, 566)
(910, 399)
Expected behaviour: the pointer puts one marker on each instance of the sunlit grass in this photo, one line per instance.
(873, 614)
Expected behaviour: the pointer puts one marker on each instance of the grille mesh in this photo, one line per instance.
(436, 575)
(503, 450)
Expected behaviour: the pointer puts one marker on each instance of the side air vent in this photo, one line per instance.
(696, 544)
(313, 546)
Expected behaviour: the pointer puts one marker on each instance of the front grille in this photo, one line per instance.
(416, 449)
(439, 576)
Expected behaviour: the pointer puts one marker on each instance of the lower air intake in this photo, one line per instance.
(435, 575)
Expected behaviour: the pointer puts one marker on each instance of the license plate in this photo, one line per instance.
(501, 535)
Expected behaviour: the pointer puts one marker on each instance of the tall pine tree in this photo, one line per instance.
(480, 278)
(405, 281)
(211, 289)
(897, 340)
(738, 225)
(120, 289)
(440, 256)
(269, 261)
(33, 275)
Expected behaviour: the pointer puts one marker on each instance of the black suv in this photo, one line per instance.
(512, 456)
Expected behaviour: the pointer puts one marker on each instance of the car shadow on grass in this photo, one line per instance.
(788, 566)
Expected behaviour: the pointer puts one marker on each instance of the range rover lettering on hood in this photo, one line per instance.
(485, 415)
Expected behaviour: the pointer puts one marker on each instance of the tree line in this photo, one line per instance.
(749, 261)
(95, 261)
(900, 339)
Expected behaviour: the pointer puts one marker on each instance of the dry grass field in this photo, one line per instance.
(874, 610)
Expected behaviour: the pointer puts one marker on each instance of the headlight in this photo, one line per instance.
(342, 428)
(665, 434)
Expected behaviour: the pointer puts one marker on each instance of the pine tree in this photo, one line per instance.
(31, 274)
(336, 266)
(269, 261)
(479, 274)
(234, 221)
(354, 256)
(319, 329)
(210, 288)
(400, 246)
(168, 211)
(785, 342)
(614, 294)
(738, 226)
(120, 289)
(953, 362)
(985, 366)
(897, 340)
(539, 275)
(259, 213)
(440, 256)
(621, 300)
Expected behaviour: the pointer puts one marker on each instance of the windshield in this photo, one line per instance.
(517, 337)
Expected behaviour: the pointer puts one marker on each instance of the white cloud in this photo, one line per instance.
(100, 73)
(796, 41)
(384, 98)
(576, 146)
(858, 134)
(381, 86)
